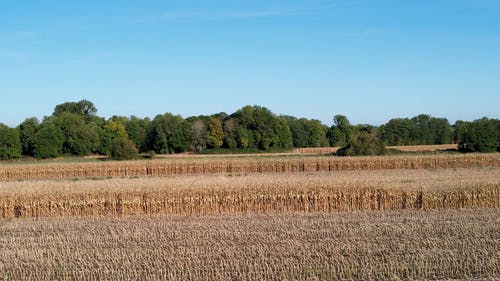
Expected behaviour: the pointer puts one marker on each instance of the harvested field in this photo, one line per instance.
(422, 148)
(255, 193)
(256, 164)
(403, 245)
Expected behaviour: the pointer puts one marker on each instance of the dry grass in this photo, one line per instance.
(254, 193)
(406, 245)
(190, 166)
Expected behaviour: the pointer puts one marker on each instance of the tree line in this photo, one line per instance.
(74, 128)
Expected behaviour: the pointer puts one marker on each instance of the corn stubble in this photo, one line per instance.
(404, 245)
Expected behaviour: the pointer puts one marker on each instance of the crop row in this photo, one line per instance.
(241, 165)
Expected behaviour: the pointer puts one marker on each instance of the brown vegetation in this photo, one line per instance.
(190, 166)
(404, 245)
(256, 193)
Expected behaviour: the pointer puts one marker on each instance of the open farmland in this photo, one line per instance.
(243, 165)
(254, 218)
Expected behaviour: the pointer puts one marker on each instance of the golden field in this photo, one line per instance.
(244, 164)
(433, 217)
(254, 193)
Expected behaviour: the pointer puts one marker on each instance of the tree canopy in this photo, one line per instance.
(74, 128)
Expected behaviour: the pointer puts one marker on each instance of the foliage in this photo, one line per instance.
(363, 143)
(215, 133)
(258, 127)
(419, 130)
(137, 131)
(251, 128)
(169, 134)
(83, 108)
(482, 135)
(123, 149)
(339, 134)
(10, 143)
(27, 131)
(80, 138)
(48, 141)
(199, 135)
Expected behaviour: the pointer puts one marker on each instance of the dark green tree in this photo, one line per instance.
(48, 141)
(137, 130)
(340, 132)
(299, 134)
(80, 138)
(397, 131)
(10, 143)
(169, 134)
(27, 131)
(481, 135)
(83, 108)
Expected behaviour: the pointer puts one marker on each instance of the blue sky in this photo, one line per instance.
(370, 60)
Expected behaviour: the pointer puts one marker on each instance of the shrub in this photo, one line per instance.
(364, 143)
(123, 149)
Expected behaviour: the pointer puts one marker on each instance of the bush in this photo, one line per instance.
(363, 143)
(123, 149)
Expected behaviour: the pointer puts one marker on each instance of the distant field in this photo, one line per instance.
(240, 165)
(411, 148)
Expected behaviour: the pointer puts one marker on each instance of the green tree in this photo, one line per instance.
(137, 131)
(123, 149)
(168, 134)
(27, 131)
(257, 127)
(215, 133)
(299, 134)
(83, 108)
(79, 138)
(48, 141)
(315, 133)
(481, 135)
(10, 143)
(397, 131)
(340, 132)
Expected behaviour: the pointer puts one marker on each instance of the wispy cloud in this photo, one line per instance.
(195, 16)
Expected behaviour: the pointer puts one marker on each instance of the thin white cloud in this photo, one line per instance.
(194, 16)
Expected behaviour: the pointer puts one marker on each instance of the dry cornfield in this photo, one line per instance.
(253, 218)
(388, 245)
(254, 193)
(190, 166)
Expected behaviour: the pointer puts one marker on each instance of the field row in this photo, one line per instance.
(242, 165)
(260, 193)
(403, 245)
